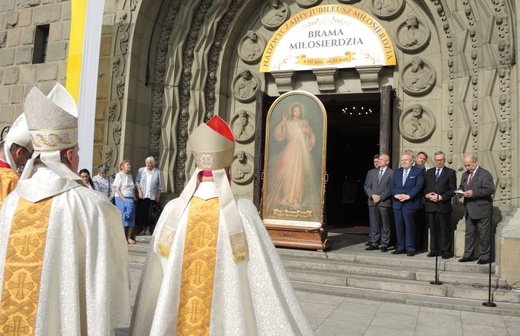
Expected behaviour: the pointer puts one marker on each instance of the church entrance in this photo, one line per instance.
(353, 136)
(355, 131)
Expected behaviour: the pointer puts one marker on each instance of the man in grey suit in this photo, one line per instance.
(477, 188)
(380, 204)
(365, 185)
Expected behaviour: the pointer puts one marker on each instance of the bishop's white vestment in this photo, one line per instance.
(63, 260)
(251, 297)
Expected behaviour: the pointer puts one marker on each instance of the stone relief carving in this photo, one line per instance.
(243, 127)
(214, 56)
(274, 13)
(113, 110)
(387, 9)
(251, 47)
(418, 77)
(349, 1)
(448, 44)
(116, 65)
(241, 168)
(412, 36)
(120, 87)
(116, 132)
(416, 124)
(185, 89)
(110, 149)
(308, 3)
(245, 86)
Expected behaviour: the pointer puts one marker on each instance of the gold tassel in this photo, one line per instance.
(239, 246)
(164, 251)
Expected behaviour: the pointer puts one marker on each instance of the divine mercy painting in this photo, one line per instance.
(294, 171)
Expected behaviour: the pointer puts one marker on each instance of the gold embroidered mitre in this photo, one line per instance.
(52, 119)
(53, 124)
(213, 145)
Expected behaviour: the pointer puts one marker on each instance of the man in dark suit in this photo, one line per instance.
(365, 185)
(421, 231)
(379, 204)
(439, 188)
(406, 188)
(477, 188)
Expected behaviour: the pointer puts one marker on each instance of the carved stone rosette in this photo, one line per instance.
(417, 123)
(387, 9)
(251, 47)
(412, 35)
(242, 171)
(243, 127)
(274, 13)
(245, 86)
(308, 3)
(418, 77)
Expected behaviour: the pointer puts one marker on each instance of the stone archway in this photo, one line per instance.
(191, 80)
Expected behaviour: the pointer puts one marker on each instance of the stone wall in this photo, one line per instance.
(18, 22)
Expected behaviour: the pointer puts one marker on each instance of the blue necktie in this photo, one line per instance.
(405, 175)
(437, 174)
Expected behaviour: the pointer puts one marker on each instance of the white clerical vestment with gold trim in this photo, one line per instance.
(63, 260)
(252, 297)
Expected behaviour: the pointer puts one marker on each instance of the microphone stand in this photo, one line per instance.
(437, 281)
(490, 303)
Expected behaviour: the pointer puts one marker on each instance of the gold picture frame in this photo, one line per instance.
(294, 168)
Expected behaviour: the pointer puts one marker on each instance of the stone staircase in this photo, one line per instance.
(348, 270)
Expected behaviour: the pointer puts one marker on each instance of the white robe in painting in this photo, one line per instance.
(253, 297)
(85, 280)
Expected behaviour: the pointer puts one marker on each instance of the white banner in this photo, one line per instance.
(88, 82)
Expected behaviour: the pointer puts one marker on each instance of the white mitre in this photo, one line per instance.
(213, 147)
(18, 134)
(53, 125)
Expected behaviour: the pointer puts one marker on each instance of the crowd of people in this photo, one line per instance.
(406, 201)
(135, 199)
(64, 266)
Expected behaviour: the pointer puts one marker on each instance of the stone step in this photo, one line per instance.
(375, 258)
(397, 278)
(387, 271)
(462, 291)
(441, 302)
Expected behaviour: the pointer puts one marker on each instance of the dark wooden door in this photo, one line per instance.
(263, 102)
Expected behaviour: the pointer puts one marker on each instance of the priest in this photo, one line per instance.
(15, 150)
(63, 254)
(212, 268)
